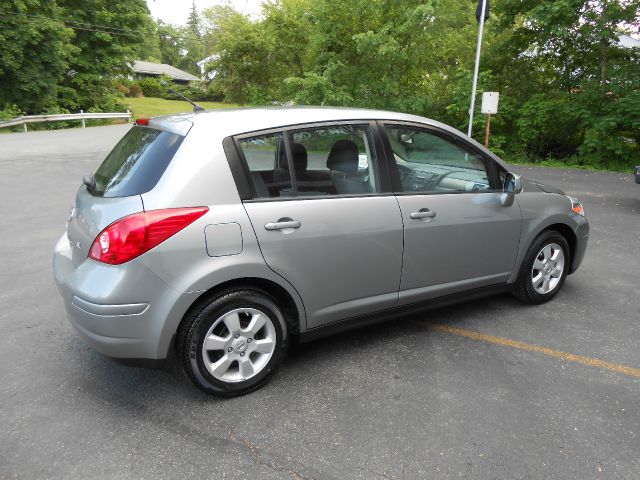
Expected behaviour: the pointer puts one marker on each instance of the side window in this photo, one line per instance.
(428, 163)
(261, 154)
(334, 160)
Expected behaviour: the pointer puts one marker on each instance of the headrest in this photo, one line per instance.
(343, 157)
(300, 158)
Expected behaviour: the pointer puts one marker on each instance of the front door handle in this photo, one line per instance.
(422, 214)
(282, 224)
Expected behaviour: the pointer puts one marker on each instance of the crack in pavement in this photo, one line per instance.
(260, 460)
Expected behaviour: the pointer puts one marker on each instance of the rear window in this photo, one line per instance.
(136, 163)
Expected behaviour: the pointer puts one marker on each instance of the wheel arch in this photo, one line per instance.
(282, 297)
(563, 229)
(567, 232)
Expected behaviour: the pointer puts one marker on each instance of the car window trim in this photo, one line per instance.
(292, 168)
(302, 126)
(242, 175)
(239, 169)
(492, 172)
(319, 197)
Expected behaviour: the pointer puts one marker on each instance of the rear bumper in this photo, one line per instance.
(582, 239)
(122, 311)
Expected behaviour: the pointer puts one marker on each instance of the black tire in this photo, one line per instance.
(524, 289)
(196, 325)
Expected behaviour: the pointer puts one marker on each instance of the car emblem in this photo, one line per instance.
(241, 346)
(79, 245)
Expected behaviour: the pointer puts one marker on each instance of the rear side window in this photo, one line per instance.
(267, 162)
(136, 163)
(322, 161)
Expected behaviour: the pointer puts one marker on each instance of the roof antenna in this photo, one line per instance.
(196, 107)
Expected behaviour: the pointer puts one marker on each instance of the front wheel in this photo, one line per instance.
(544, 268)
(234, 344)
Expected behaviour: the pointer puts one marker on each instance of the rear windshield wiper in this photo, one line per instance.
(90, 182)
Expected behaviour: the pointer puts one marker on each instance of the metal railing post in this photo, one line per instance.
(82, 119)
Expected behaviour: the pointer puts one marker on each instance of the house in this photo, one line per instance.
(203, 66)
(143, 69)
(627, 41)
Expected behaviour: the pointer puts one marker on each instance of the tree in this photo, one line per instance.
(171, 43)
(108, 37)
(576, 40)
(35, 53)
(194, 51)
(585, 81)
(193, 22)
(242, 49)
(358, 52)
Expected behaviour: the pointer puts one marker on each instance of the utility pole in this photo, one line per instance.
(481, 19)
(487, 132)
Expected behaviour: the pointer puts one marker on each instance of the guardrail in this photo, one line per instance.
(23, 120)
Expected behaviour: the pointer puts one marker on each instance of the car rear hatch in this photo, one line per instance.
(133, 167)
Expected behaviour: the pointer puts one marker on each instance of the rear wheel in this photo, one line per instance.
(234, 343)
(544, 268)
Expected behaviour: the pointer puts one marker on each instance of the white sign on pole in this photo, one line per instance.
(490, 102)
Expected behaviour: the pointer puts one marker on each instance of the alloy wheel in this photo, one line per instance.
(548, 267)
(239, 345)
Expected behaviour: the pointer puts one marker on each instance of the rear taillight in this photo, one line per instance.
(131, 236)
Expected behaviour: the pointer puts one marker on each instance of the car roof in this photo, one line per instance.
(235, 121)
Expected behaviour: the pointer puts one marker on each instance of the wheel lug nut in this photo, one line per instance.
(242, 354)
(237, 335)
(229, 349)
(249, 340)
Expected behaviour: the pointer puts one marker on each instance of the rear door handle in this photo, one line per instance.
(282, 225)
(422, 214)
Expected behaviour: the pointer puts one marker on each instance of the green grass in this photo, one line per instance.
(146, 107)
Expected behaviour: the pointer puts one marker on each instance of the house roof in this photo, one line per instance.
(150, 68)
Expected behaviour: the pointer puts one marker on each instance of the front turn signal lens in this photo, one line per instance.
(576, 206)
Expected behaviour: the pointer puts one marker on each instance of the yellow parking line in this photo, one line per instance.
(570, 357)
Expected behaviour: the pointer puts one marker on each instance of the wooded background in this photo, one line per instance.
(569, 92)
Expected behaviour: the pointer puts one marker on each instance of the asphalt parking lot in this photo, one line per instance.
(490, 389)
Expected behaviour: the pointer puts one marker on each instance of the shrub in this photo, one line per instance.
(151, 87)
(122, 88)
(129, 88)
(9, 112)
(135, 90)
(194, 91)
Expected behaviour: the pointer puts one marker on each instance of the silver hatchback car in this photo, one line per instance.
(223, 236)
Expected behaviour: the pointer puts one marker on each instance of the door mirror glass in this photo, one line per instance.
(512, 183)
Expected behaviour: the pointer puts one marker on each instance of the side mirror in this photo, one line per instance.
(512, 186)
(406, 138)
